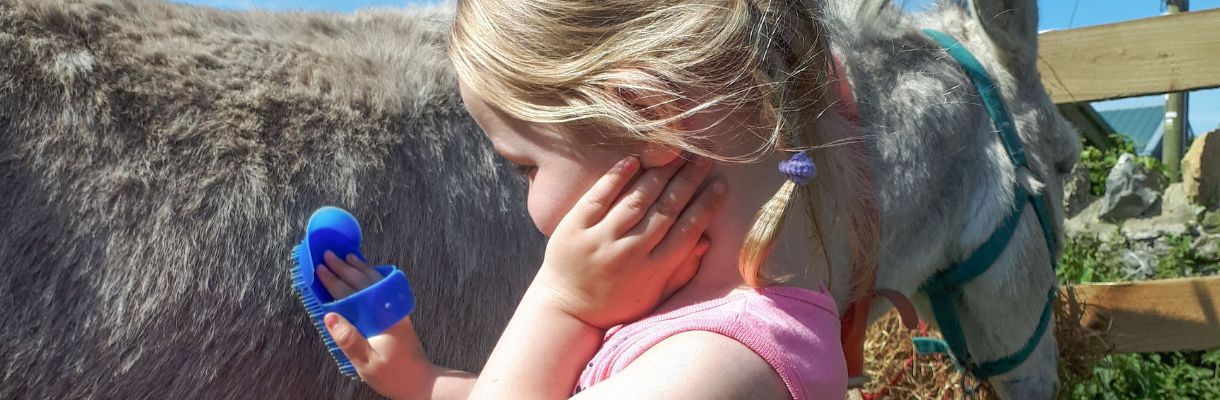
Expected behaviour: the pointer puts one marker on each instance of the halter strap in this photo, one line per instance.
(944, 289)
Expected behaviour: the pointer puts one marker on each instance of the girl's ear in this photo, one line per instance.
(650, 96)
(654, 100)
(656, 155)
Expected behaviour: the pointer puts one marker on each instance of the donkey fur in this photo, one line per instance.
(159, 161)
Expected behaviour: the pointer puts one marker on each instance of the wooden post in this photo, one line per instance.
(1175, 118)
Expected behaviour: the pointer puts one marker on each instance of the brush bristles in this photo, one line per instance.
(316, 313)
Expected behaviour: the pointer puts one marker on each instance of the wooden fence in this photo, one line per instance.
(1151, 316)
(1156, 55)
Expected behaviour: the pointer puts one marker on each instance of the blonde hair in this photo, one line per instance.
(568, 61)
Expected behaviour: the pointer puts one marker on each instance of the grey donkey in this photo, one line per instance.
(160, 160)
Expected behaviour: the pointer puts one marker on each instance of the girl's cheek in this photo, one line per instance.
(554, 191)
(542, 212)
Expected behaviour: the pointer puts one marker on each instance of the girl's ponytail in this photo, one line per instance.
(761, 238)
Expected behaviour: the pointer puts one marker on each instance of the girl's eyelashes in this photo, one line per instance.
(523, 170)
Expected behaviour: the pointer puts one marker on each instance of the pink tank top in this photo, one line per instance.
(795, 330)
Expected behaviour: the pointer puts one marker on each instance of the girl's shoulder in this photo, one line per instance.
(693, 365)
(795, 331)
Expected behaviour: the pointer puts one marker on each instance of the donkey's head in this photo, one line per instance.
(1010, 30)
(1006, 304)
(946, 182)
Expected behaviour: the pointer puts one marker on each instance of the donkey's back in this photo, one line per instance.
(159, 161)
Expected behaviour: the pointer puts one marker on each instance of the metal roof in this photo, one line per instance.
(1143, 125)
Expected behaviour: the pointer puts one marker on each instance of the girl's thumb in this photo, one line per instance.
(349, 339)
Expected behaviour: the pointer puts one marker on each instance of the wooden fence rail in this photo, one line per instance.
(1152, 316)
(1146, 56)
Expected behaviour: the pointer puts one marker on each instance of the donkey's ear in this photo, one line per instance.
(1013, 26)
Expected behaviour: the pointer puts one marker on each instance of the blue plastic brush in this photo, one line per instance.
(373, 309)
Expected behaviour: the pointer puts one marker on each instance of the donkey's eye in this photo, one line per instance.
(1065, 167)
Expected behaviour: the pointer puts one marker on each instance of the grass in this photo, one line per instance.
(1194, 375)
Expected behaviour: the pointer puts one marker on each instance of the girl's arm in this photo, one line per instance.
(540, 355)
(610, 260)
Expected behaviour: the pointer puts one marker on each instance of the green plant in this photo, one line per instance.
(1087, 259)
(1183, 260)
(1099, 163)
(1191, 375)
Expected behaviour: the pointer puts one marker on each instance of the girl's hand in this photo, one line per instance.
(614, 258)
(611, 259)
(393, 363)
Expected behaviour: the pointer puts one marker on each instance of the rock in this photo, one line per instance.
(1131, 190)
(1150, 229)
(1174, 208)
(1138, 265)
(1086, 222)
(1201, 170)
(1208, 247)
(1210, 223)
(1176, 217)
(1076, 194)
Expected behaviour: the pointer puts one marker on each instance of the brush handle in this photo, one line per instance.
(376, 308)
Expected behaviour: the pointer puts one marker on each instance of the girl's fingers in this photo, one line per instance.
(598, 200)
(631, 208)
(369, 273)
(353, 344)
(669, 206)
(337, 288)
(685, 233)
(347, 273)
(686, 271)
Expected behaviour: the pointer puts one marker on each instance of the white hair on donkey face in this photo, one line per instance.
(160, 160)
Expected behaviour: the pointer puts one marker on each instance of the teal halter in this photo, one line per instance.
(945, 287)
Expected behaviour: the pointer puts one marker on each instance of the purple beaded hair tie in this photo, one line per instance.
(799, 168)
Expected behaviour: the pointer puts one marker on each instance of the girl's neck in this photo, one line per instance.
(795, 259)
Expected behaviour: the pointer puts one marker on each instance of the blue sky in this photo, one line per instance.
(320, 5)
(1055, 14)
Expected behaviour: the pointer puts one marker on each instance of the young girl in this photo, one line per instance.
(565, 89)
